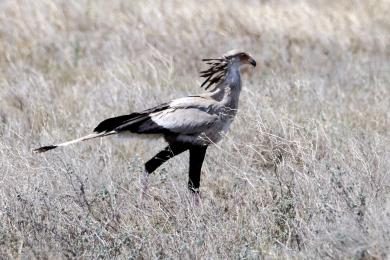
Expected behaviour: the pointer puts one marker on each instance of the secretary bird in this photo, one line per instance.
(189, 123)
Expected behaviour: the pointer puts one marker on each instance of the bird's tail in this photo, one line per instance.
(84, 138)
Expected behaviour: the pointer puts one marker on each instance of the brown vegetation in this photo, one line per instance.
(304, 172)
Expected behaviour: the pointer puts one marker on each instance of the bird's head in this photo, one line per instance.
(241, 57)
(219, 66)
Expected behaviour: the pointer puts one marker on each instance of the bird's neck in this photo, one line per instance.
(233, 77)
(228, 91)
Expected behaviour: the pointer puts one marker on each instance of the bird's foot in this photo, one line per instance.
(196, 199)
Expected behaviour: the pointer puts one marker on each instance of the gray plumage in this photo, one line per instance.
(188, 122)
(199, 119)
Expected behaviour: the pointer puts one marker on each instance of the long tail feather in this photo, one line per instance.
(84, 138)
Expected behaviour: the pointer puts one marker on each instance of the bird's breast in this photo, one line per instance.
(215, 133)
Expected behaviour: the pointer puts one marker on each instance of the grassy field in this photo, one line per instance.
(304, 172)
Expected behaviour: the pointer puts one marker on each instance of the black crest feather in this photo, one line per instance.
(215, 73)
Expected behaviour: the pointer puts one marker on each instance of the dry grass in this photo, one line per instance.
(304, 172)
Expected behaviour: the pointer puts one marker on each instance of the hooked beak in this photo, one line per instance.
(252, 62)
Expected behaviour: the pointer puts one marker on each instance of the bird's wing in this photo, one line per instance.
(184, 120)
(135, 122)
(189, 115)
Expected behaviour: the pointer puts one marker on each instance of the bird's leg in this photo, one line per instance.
(150, 166)
(197, 154)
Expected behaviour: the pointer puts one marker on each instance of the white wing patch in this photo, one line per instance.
(184, 120)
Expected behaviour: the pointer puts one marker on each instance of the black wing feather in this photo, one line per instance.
(139, 122)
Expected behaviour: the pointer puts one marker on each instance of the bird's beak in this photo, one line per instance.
(252, 62)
